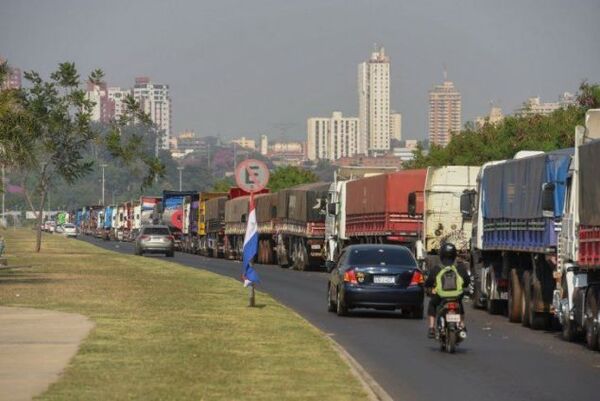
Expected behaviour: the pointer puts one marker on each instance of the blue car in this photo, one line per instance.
(376, 276)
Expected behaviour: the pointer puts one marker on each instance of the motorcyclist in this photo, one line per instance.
(447, 254)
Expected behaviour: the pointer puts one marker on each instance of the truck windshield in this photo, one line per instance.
(379, 256)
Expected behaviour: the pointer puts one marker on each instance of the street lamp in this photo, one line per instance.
(180, 168)
(103, 167)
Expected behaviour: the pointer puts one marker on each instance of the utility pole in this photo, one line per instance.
(180, 168)
(234, 157)
(103, 167)
(3, 196)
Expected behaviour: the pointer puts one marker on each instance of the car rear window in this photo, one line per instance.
(380, 257)
(68, 226)
(156, 231)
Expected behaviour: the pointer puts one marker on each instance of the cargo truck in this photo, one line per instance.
(300, 226)
(194, 219)
(577, 293)
(212, 242)
(442, 219)
(172, 213)
(514, 239)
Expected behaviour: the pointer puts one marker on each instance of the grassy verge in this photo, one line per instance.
(166, 332)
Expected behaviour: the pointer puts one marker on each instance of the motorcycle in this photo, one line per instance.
(448, 330)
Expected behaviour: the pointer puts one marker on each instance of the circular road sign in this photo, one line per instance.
(252, 175)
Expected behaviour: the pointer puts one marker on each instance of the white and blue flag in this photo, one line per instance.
(249, 275)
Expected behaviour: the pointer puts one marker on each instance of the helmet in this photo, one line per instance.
(447, 254)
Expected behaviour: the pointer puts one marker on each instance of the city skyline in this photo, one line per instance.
(233, 75)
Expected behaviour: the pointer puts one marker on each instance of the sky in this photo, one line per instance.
(250, 67)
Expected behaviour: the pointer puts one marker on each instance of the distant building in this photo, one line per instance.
(396, 126)
(403, 153)
(374, 103)
(411, 144)
(387, 161)
(445, 113)
(244, 142)
(13, 79)
(534, 105)
(264, 145)
(494, 117)
(332, 137)
(287, 153)
(190, 141)
(117, 95)
(104, 108)
(154, 99)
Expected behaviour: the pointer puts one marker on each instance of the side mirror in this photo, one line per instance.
(548, 199)
(329, 265)
(332, 209)
(466, 204)
(412, 204)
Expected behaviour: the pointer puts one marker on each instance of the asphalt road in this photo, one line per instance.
(498, 361)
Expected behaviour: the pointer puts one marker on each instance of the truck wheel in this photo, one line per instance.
(477, 304)
(515, 297)
(493, 306)
(537, 320)
(591, 313)
(525, 292)
(302, 256)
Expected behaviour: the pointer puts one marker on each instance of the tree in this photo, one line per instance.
(289, 176)
(60, 132)
(223, 185)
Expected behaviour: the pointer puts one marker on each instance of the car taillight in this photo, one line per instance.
(145, 237)
(417, 278)
(350, 276)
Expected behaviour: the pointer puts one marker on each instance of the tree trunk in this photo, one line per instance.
(40, 218)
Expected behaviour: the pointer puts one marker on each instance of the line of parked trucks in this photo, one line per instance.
(528, 227)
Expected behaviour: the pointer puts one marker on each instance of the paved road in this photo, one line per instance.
(499, 361)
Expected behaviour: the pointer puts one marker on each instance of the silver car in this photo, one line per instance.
(69, 230)
(155, 239)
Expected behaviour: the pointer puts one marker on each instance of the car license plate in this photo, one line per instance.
(504, 295)
(452, 318)
(384, 279)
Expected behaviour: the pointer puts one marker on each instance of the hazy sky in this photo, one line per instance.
(248, 67)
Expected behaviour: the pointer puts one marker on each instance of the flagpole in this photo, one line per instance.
(252, 299)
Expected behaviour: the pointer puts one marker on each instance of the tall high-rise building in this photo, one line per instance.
(396, 126)
(374, 103)
(264, 145)
(117, 96)
(154, 99)
(104, 108)
(445, 112)
(332, 137)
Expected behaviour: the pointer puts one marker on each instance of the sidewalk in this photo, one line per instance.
(35, 346)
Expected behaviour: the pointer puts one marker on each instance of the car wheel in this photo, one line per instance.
(417, 313)
(331, 306)
(341, 309)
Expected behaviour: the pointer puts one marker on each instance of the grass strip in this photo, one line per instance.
(167, 332)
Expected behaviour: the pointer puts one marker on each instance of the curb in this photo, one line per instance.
(374, 391)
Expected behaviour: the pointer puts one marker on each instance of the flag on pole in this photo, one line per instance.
(249, 275)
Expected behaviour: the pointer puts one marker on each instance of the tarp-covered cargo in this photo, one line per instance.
(513, 190)
(236, 209)
(266, 207)
(215, 214)
(303, 203)
(589, 170)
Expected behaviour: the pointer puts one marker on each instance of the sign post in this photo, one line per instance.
(252, 176)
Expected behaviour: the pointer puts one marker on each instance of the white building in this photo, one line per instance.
(98, 95)
(333, 137)
(264, 145)
(374, 103)
(534, 105)
(396, 126)
(117, 96)
(244, 142)
(154, 99)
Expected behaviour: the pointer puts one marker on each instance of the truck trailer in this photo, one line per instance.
(577, 293)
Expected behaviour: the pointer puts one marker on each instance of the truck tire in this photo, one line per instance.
(525, 292)
(477, 304)
(515, 297)
(591, 314)
(537, 320)
(493, 306)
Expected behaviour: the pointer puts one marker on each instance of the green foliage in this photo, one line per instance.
(223, 185)
(289, 176)
(515, 133)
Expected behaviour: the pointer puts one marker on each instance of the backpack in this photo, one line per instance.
(449, 283)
